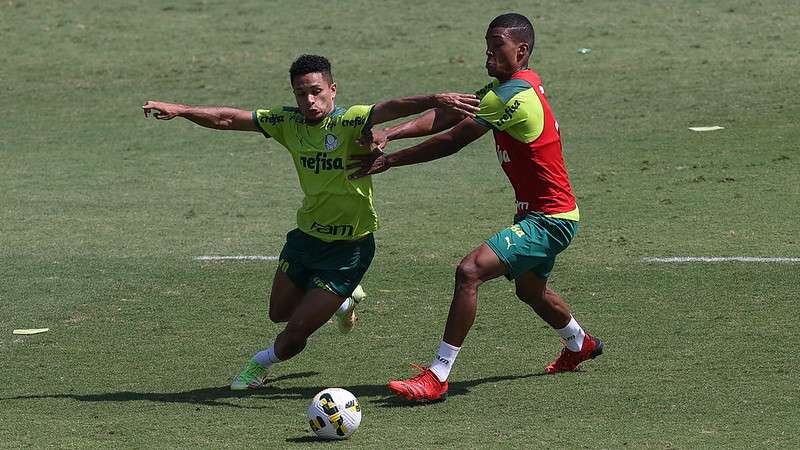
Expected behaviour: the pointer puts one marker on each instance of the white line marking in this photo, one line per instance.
(714, 128)
(691, 259)
(236, 258)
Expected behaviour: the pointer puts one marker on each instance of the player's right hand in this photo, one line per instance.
(373, 140)
(161, 110)
(466, 104)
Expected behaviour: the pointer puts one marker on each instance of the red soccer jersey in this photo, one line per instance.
(528, 144)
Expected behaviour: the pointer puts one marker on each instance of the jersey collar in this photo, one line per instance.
(335, 112)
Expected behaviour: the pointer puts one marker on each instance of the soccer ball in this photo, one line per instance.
(334, 414)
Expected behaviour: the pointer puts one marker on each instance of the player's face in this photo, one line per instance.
(314, 95)
(504, 55)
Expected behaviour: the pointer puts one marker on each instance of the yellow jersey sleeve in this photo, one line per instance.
(272, 122)
(357, 117)
(512, 107)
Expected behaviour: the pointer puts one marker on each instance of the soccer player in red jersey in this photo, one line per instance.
(528, 145)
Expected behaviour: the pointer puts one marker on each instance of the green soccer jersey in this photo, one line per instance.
(334, 207)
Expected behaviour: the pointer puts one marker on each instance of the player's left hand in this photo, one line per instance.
(369, 164)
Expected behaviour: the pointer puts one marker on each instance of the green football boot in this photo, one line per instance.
(252, 376)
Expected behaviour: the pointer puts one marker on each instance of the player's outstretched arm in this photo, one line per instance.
(432, 122)
(218, 118)
(465, 104)
(446, 110)
(439, 146)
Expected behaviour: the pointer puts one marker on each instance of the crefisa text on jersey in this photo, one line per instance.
(272, 119)
(321, 162)
(509, 111)
(354, 122)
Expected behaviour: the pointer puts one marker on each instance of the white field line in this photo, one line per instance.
(236, 258)
(714, 259)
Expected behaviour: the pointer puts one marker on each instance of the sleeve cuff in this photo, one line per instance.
(484, 122)
(258, 125)
(368, 122)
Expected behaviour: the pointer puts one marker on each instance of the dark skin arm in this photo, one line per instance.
(439, 146)
(462, 104)
(432, 122)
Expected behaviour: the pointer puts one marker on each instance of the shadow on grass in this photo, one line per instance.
(456, 388)
(308, 440)
(216, 396)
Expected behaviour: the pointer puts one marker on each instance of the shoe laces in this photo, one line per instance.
(422, 377)
(567, 356)
(254, 371)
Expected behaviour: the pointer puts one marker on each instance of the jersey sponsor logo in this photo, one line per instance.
(331, 142)
(509, 112)
(354, 122)
(333, 229)
(321, 162)
(484, 90)
(272, 119)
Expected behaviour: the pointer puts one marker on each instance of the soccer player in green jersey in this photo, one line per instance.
(528, 144)
(324, 259)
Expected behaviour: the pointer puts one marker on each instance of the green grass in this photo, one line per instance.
(103, 212)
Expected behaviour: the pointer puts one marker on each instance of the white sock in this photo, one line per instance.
(572, 334)
(444, 360)
(345, 306)
(267, 357)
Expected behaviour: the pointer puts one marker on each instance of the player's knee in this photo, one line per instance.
(278, 316)
(468, 272)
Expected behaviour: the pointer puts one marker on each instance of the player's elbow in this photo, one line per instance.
(446, 118)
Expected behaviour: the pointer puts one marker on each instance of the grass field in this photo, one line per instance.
(104, 211)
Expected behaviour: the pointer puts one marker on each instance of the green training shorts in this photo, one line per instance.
(532, 243)
(337, 266)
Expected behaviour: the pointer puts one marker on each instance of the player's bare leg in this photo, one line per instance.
(546, 303)
(284, 297)
(579, 346)
(314, 310)
(311, 312)
(480, 265)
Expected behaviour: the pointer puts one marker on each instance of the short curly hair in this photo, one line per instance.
(520, 28)
(306, 64)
